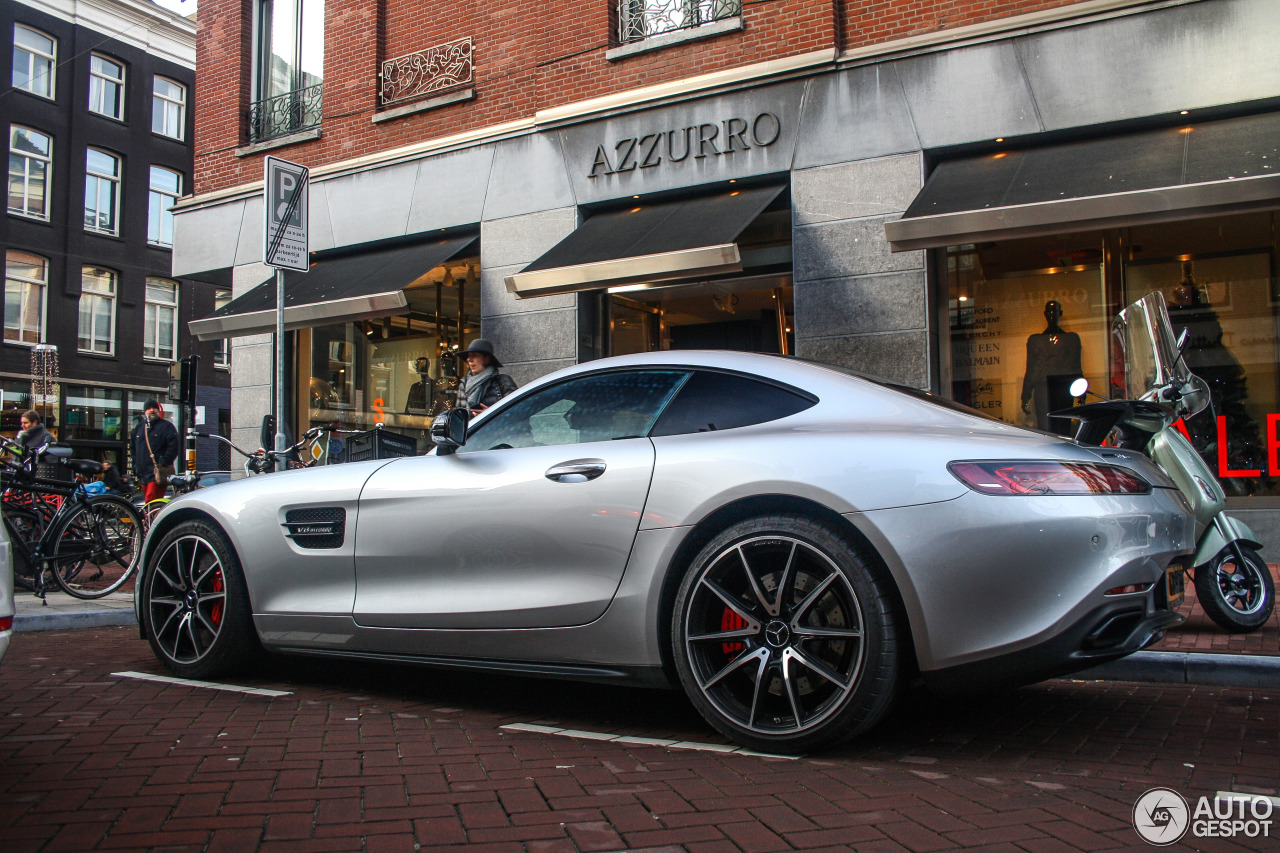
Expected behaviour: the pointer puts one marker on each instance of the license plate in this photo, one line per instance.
(1175, 583)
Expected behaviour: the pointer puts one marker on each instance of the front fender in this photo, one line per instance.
(1220, 534)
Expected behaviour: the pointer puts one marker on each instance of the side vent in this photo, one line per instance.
(319, 527)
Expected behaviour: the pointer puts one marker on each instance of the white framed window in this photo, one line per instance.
(26, 279)
(160, 334)
(106, 87)
(97, 310)
(35, 56)
(30, 171)
(168, 108)
(101, 192)
(221, 348)
(166, 189)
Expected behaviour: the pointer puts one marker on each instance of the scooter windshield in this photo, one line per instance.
(1154, 370)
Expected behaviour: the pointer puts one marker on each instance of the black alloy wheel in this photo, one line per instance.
(194, 603)
(784, 637)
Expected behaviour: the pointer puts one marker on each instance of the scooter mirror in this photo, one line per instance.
(1078, 387)
(1182, 340)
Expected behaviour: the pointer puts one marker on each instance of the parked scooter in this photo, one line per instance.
(1233, 583)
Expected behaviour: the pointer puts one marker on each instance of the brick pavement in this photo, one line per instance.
(374, 758)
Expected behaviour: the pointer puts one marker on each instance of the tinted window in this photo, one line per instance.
(715, 401)
(601, 407)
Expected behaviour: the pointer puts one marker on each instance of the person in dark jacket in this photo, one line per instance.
(155, 442)
(484, 385)
(114, 483)
(33, 435)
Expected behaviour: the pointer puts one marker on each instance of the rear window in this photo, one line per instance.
(712, 401)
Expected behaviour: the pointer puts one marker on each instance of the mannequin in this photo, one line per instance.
(1053, 362)
(419, 402)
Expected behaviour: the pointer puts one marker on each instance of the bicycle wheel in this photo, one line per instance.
(105, 534)
(24, 526)
(151, 509)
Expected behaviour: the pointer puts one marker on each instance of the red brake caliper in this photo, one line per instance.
(731, 621)
(215, 612)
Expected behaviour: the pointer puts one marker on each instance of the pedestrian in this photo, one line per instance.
(111, 479)
(484, 385)
(155, 447)
(33, 435)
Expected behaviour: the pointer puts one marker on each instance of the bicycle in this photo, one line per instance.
(98, 531)
(305, 453)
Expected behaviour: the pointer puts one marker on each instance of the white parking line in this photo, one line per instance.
(1231, 795)
(640, 741)
(208, 685)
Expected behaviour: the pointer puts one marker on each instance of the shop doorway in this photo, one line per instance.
(750, 311)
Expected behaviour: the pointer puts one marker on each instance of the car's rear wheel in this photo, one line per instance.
(784, 637)
(195, 605)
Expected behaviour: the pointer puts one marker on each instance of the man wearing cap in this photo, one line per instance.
(484, 385)
(155, 444)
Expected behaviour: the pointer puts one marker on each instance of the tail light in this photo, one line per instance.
(6, 622)
(1048, 478)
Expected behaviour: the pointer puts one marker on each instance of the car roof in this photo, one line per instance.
(787, 369)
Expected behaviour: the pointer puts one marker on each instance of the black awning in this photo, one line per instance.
(351, 287)
(657, 241)
(1204, 169)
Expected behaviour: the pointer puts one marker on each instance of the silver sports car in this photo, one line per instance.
(789, 543)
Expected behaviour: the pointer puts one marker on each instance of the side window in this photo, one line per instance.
(601, 407)
(716, 401)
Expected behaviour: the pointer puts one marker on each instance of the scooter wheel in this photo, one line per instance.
(1236, 590)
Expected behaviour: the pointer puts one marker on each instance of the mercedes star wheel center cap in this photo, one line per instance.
(777, 634)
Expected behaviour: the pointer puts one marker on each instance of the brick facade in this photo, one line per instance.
(528, 57)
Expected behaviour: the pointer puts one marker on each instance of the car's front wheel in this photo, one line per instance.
(784, 637)
(195, 605)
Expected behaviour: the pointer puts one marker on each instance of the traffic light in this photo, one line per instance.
(182, 381)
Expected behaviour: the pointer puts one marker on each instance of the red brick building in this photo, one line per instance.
(901, 187)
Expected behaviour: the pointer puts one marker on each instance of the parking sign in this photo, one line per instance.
(285, 202)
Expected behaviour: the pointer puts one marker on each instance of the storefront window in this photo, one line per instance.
(15, 398)
(1025, 317)
(397, 371)
(93, 414)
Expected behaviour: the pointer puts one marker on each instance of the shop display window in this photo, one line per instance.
(15, 398)
(93, 414)
(1025, 317)
(398, 371)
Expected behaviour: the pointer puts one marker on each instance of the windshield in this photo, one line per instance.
(1150, 355)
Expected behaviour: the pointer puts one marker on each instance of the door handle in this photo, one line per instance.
(576, 470)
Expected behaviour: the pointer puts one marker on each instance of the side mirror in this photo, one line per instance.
(1183, 337)
(1078, 387)
(449, 430)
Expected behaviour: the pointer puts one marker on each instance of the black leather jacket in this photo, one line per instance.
(496, 387)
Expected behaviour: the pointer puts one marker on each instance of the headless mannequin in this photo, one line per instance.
(1053, 362)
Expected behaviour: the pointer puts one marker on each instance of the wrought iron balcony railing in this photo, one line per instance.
(432, 70)
(641, 19)
(284, 114)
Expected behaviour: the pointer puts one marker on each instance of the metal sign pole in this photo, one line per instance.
(285, 246)
(280, 443)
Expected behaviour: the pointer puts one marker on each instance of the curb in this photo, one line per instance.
(66, 620)
(1214, 670)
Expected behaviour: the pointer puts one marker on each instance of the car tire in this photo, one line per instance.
(195, 606)
(785, 637)
(1238, 594)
